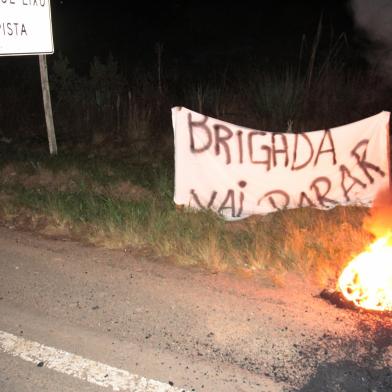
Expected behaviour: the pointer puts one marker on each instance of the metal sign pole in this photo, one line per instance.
(47, 104)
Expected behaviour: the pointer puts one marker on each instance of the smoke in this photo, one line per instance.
(374, 17)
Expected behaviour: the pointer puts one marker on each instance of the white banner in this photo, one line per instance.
(238, 172)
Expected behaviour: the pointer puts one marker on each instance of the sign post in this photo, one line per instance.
(47, 104)
(26, 29)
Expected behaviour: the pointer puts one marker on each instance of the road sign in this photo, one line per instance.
(25, 27)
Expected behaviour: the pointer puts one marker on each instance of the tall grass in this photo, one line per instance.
(311, 242)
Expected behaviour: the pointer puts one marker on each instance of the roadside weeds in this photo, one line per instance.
(99, 202)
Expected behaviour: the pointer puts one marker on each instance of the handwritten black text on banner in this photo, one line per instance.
(238, 172)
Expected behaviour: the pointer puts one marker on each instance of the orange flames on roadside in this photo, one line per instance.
(367, 279)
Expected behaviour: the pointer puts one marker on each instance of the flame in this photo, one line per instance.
(367, 279)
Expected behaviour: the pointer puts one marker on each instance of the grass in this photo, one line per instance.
(118, 193)
(81, 206)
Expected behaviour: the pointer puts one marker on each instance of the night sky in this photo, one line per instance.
(194, 32)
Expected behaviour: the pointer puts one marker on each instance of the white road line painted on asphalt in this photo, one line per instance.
(79, 367)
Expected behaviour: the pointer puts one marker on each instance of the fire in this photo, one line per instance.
(367, 279)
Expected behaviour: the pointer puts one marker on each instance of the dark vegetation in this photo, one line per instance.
(326, 85)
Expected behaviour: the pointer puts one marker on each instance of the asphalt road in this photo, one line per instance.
(187, 329)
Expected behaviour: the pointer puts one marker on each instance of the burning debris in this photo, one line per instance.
(336, 298)
(366, 282)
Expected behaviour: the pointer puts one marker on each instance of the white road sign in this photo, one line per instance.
(25, 27)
